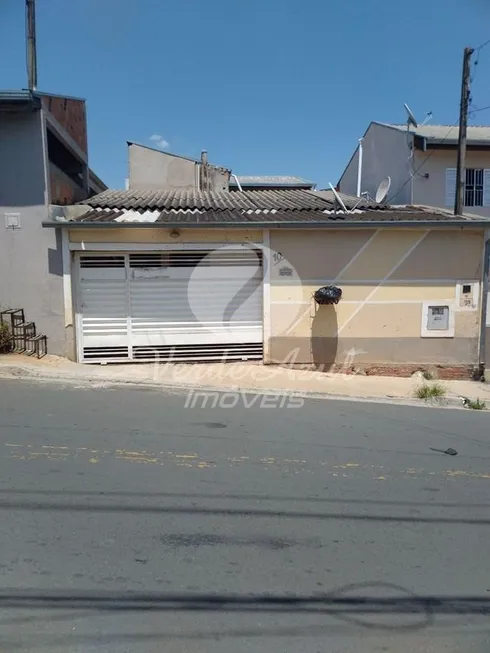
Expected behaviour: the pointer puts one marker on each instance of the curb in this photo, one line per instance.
(24, 373)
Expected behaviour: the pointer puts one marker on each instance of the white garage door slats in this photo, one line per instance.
(139, 306)
(103, 303)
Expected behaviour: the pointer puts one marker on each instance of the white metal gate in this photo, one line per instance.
(171, 305)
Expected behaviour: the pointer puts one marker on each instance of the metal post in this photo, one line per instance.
(31, 44)
(359, 169)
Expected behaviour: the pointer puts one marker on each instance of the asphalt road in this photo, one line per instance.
(129, 523)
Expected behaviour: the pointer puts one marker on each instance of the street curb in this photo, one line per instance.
(25, 373)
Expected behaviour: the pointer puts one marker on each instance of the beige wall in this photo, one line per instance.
(385, 276)
(161, 235)
(432, 191)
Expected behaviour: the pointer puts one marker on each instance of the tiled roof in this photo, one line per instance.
(449, 134)
(260, 200)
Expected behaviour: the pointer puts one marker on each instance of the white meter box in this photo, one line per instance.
(437, 319)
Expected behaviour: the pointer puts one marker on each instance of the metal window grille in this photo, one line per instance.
(473, 191)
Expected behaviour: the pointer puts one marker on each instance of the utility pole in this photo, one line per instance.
(31, 44)
(463, 124)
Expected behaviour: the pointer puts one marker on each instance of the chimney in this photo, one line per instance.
(204, 176)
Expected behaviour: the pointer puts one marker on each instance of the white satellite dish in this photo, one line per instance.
(383, 189)
(411, 118)
(338, 198)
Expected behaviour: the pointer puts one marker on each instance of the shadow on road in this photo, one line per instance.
(403, 612)
(336, 603)
(244, 497)
(67, 506)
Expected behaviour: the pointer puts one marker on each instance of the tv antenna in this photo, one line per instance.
(383, 189)
(338, 199)
(428, 116)
(410, 117)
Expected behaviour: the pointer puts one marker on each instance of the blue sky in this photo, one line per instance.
(266, 86)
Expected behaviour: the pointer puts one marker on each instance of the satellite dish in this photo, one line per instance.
(411, 118)
(338, 198)
(383, 189)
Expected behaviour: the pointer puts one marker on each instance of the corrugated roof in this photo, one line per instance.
(449, 134)
(376, 214)
(260, 200)
(285, 207)
(272, 180)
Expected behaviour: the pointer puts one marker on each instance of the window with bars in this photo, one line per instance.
(476, 190)
(473, 190)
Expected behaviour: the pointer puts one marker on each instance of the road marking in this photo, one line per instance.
(58, 453)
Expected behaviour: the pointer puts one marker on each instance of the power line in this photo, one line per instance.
(480, 109)
(483, 45)
(421, 165)
(477, 60)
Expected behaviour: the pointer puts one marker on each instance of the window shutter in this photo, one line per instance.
(486, 187)
(450, 186)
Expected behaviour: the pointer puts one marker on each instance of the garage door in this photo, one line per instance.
(170, 305)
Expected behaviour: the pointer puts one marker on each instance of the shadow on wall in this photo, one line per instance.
(324, 337)
(55, 257)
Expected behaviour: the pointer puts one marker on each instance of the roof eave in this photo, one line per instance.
(327, 224)
(273, 186)
(19, 100)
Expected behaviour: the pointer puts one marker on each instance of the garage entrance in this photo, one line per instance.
(178, 305)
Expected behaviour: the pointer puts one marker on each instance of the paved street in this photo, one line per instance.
(130, 523)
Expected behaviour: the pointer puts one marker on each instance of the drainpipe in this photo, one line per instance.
(237, 182)
(359, 169)
(484, 302)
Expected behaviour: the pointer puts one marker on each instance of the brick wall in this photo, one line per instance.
(63, 190)
(442, 372)
(437, 371)
(71, 115)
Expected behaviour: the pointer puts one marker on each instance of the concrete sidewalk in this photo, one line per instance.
(239, 376)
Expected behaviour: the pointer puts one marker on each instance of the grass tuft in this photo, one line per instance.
(427, 391)
(476, 404)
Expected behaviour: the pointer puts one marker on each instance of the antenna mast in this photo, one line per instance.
(31, 44)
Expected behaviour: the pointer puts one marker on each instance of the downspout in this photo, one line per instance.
(412, 172)
(237, 182)
(359, 169)
(484, 304)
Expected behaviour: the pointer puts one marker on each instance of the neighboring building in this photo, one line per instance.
(421, 163)
(152, 169)
(185, 275)
(271, 182)
(43, 162)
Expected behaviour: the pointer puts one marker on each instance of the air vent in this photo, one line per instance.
(102, 262)
(214, 258)
(98, 354)
(215, 352)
